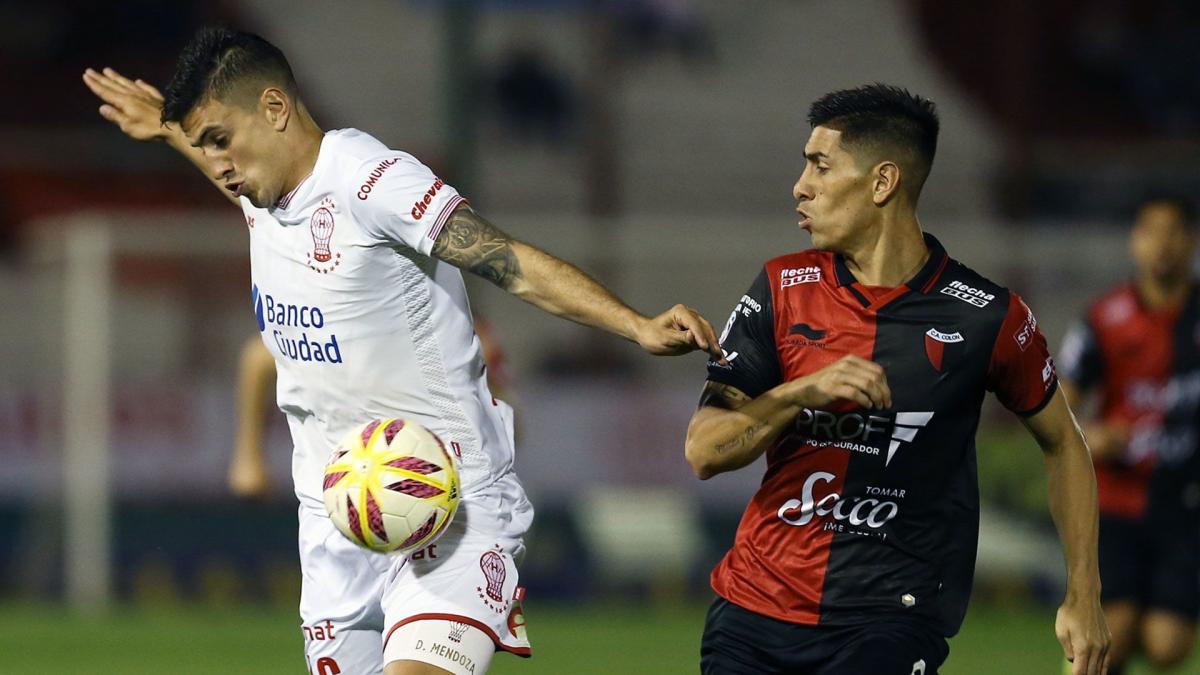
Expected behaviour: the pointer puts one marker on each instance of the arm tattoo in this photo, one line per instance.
(471, 243)
(723, 396)
(741, 440)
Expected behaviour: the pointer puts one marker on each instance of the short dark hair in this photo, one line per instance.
(1184, 206)
(214, 61)
(883, 117)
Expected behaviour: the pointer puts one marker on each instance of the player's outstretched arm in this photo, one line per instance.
(136, 107)
(1080, 624)
(1106, 440)
(248, 475)
(731, 429)
(470, 242)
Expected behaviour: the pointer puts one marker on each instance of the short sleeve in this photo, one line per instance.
(397, 199)
(748, 342)
(1080, 359)
(1021, 372)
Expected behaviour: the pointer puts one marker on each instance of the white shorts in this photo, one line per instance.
(353, 599)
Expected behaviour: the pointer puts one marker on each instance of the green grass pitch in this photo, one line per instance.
(567, 641)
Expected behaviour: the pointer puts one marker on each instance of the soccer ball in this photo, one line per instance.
(390, 485)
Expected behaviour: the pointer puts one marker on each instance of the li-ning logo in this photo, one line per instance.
(364, 190)
(494, 574)
(799, 275)
(969, 295)
(321, 227)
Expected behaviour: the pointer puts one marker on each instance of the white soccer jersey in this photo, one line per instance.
(362, 322)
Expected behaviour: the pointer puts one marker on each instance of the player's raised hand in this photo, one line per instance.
(851, 378)
(1084, 635)
(133, 105)
(679, 330)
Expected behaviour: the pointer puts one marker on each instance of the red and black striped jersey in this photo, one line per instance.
(861, 512)
(1145, 364)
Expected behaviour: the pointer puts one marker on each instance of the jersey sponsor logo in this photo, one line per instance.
(319, 632)
(745, 307)
(257, 301)
(282, 317)
(860, 432)
(968, 294)
(856, 511)
(425, 554)
(322, 258)
(793, 276)
(1024, 334)
(364, 190)
(935, 346)
(905, 431)
(422, 205)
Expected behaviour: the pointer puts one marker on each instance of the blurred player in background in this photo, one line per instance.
(1138, 351)
(355, 252)
(249, 475)
(859, 368)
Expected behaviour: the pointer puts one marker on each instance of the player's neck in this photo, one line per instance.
(1163, 293)
(895, 254)
(306, 146)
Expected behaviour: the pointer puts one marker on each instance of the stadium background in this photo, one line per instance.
(653, 142)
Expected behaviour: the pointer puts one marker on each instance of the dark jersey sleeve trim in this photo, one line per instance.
(748, 342)
(742, 384)
(1045, 402)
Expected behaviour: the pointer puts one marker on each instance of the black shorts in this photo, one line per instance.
(740, 642)
(1152, 563)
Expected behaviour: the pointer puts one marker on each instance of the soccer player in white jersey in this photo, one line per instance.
(355, 253)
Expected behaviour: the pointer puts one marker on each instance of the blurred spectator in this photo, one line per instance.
(648, 27)
(535, 101)
(1162, 69)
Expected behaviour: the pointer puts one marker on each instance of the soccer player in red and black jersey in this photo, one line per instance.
(1138, 349)
(859, 368)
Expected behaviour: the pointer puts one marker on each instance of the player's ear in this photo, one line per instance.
(885, 182)
(277, 106)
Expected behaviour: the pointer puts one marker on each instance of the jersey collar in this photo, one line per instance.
(300, 193)
(921, 282)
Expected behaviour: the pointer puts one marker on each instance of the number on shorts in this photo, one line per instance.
(919, 667)
(327, 666)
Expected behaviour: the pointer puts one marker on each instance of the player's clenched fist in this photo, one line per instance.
(133, 105)
(852, 378)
